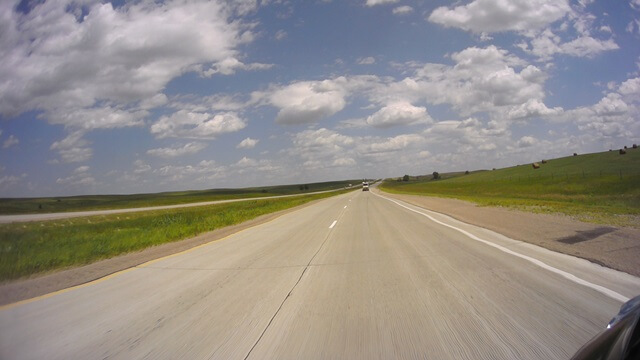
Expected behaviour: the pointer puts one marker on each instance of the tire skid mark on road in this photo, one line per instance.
(601, 289)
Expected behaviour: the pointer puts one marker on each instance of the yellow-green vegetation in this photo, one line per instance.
(601, 188)
(104, 202)
(36, 247)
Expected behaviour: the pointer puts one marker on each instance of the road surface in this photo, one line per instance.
(5, 219)
(355, 276)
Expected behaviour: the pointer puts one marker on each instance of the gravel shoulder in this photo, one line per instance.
(614, 247)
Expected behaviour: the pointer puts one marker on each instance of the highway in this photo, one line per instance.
(6, 219)
(355, 276)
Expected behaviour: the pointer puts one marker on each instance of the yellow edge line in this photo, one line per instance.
(106, 277)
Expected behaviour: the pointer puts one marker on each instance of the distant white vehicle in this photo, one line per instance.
(365, 186)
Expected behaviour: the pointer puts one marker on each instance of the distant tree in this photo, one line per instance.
(436, 175)
(306, 187)
(301, 187)
(405, 178)
(466, 172)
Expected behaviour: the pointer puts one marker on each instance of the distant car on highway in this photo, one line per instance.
(365, 186)
(620, 340)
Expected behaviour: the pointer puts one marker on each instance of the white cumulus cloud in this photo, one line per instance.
(73, 148)
(631, 88)
(482, 79)
(344, 161)
(230, 65)
(532, 108)
(322, 140)
(402, 10)
(398, 113)
(79, 177)
(141, 167)
(380, 2)
(247, 143)
(486, 16)
(280, 35)
(71, 54)
(612, 104)
(197, 125)
(392, 144)
(527, 141)
(308, 101)
(10, 141)
(97, 118)
(367, 60)
(547, 44)
(171, 152)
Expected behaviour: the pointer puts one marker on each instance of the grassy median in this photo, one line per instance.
(601, 188)
(105, 202)
(37, 247)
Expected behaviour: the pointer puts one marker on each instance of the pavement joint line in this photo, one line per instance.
(292, 288)
(601, 289)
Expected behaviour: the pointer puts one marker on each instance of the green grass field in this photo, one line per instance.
(37, 247)
(600, 187)
(104, 202)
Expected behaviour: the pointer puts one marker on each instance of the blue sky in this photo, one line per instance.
(146, 96)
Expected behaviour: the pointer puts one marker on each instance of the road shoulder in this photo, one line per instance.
(614, 247)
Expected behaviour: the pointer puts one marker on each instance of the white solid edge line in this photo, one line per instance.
(333, 224)
(601, 289)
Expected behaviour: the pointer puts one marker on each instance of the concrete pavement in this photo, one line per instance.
(353, 276)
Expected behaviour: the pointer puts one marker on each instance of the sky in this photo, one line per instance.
(124, 97)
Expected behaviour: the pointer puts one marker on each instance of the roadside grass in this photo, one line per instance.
(105, 202)
(37, 247)
(601, 188)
